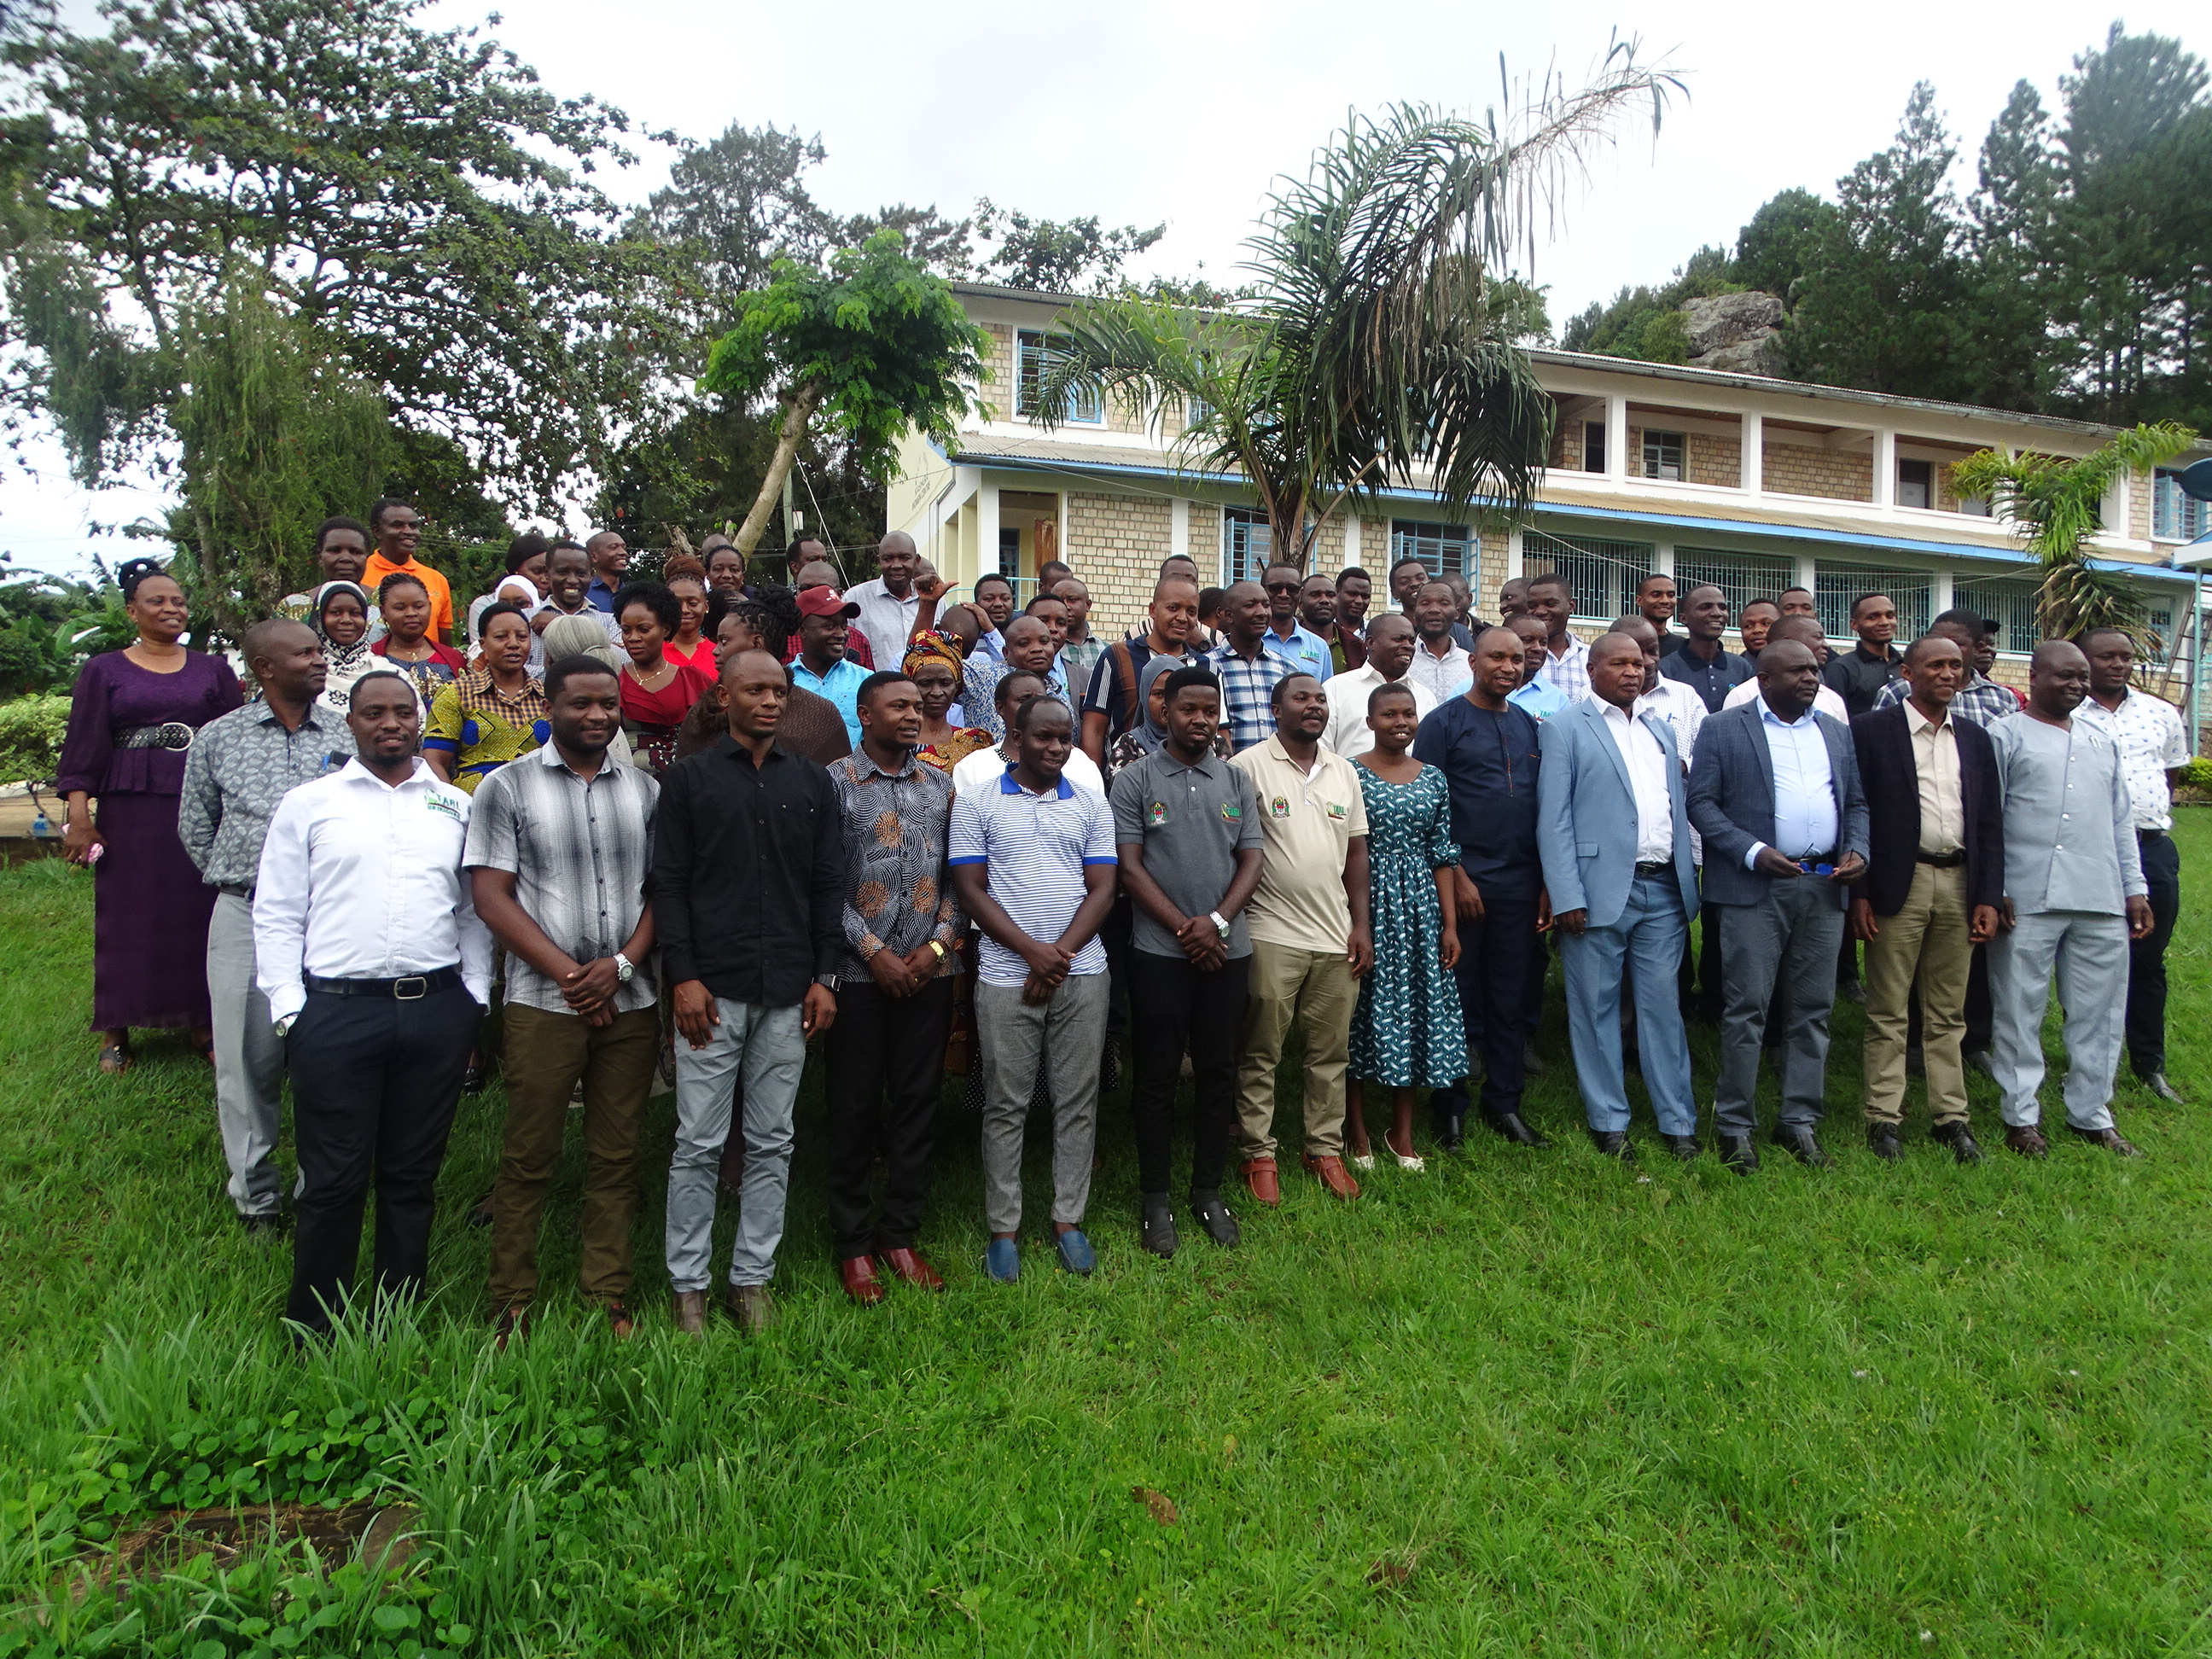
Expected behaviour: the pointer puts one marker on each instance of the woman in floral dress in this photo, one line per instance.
(1407, 1033)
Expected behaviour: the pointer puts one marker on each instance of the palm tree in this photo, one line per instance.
(2054, 502)
(1379, 347)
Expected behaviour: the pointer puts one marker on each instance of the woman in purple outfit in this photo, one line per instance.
(132, 715)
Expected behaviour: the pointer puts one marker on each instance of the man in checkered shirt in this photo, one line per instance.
(1248, 666)
(1981, 701)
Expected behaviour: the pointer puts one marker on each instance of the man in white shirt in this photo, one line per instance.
(1683, 709)
(889, 602)
(1806, 632)
(1440, 664)
(1389, 653)
(377, 970)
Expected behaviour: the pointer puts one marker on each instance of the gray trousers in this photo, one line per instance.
(1784, 945)
(2089, 953)
(1067, 1033)
(249, 1059)
(767, 1047)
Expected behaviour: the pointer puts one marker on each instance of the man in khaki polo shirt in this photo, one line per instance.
(1309, 936)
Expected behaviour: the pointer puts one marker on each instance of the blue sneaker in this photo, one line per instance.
(1076, 1254)
(1003, 1260)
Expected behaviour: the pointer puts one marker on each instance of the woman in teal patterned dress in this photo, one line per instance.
(1406, 1034)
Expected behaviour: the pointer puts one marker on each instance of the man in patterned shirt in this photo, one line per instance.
(893, 989)
(1551, 601)
(1981, 701)
(2153, 750)
(1248, 665)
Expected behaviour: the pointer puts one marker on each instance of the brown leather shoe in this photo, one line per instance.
(1331, 1173)
(2027, 1140)
(753, 1308)
(1259, 1175)
(513, 1325)
(909, 1265)
(691, 1312)
(858, 1275)
(2110, 1140)
(621, 1322)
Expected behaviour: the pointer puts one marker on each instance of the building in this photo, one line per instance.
(1754, 483)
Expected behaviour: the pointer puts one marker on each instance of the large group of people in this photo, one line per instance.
(1265, 841)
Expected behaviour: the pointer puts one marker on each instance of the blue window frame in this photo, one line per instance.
(1033, 355)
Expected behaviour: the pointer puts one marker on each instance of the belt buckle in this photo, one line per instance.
(421, 988)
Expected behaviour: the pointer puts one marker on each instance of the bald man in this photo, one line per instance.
(889, 602)
(239, 767)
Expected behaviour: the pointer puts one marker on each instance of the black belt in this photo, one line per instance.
(1656, 867)
(409, 987)
(1950, 860)
(174, 735)
(2150, 835)
(236, 888)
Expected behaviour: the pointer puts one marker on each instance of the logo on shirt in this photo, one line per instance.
(1157, 814)
(1279, 807)
(1230, 811)
(437, 803)
(1336, 810)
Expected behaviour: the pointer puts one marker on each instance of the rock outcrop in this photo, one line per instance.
(1739, 333)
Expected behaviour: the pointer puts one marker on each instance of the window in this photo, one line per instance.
(2160, 616)
(1010, 552)
(1248, 545)
(2176, 516)
(1662, 455)
(1604, 573)
(1440, 547)
(1915, 483)
(1742, 576)
(2006, 601)
(1033, 355)
(1593, 446)
(1835, 585)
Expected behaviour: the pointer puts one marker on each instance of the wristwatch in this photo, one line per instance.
(937, 945)
(284, 1024)
(1215, 916)
(623, 969)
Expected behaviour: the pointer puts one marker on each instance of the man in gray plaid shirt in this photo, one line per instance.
(1247, 665)
(1981, 701)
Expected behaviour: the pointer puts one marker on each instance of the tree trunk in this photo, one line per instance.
(798, 409)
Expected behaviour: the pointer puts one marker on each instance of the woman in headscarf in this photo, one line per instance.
(341, 616)
(932, 663)
(1151, 732)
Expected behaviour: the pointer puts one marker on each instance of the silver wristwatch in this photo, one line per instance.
(1215, 917)
(623, 969)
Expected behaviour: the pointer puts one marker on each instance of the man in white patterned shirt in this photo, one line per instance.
(1551, 601)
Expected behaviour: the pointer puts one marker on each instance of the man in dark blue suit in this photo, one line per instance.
(1775, 793)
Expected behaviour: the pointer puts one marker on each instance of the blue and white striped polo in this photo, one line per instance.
(1036, 847)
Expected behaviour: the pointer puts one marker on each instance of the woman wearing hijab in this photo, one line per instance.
(341, 616)
(1151, 732)
(932, 663)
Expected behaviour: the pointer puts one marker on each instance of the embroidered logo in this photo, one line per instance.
(1279, 807)
(1336, 810)
(437, 803)
(1158, 813)
(1230, 811)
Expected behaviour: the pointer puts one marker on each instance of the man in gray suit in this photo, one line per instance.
(1775, 793)
(1614, 833)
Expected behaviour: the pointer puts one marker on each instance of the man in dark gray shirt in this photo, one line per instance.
(1187, 830)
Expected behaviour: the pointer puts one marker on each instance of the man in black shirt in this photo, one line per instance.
(1655, 601)
(1859, 674)
(1699, 662)
(748, 900)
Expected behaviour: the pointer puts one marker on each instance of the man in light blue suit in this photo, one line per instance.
(1614, 832)
(1775, 793)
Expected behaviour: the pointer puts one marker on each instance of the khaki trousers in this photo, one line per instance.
(1927, 940)
(544, 1055)
(1316, 989)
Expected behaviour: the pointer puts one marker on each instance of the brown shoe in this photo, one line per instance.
(621, 1322)
(691, 1312)
(512, 1325)
(2110, 1140)
(1331, 1174)
(1259, 1179)
(753, 1308)
(909, 1265)
(858, 1275)
(2027, 1140)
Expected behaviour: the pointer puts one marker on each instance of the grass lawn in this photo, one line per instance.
(1526, 1403)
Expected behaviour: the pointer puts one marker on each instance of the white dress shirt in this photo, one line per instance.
(986, 767)
(1825, 702)
(1347, 695)
(360, 880)
(887, 621)
(1680, 707)
(1442, 677)
(1646, 760)
(2152, 742)
(1805, 816)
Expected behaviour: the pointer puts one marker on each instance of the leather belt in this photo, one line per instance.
(236, 888)
(2150, 835)
(1950, 860)
(1656, 867)
(409, 987)
(174, 735)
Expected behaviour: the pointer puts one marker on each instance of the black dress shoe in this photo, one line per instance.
(1213, 1215)
(1451, 1131)
(1738, 1154)
(1515, 1128)
(1882, 1142)
(1803, 1146)
(1684, 1148)
(1956, 1137)
(1614, 1144)
(1157, 1225)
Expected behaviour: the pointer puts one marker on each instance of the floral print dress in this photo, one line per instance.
(1407, 1032)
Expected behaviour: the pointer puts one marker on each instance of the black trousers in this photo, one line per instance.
(375, 1082)
(1494, 964)
(885, 1067)
(2161, 864)
(1981, 1015)
(1700, 981)
(1173, 1006)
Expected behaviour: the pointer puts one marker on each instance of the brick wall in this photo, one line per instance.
(1116, 544)
(1714, 460)
(1802, 469)
(998, 390)
(2139, 493)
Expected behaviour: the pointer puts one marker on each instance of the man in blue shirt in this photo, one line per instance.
(610, 556)
(822, 666)
(1287, 637)
(1538, 696)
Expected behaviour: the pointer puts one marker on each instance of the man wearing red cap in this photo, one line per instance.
(822, 666)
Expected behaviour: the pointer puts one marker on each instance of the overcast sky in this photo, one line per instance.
(1152, 110)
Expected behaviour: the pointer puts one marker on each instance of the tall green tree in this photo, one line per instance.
(2017, 276)
(1074, 256)
(413, 194)
(1780, 246)
(870, 345)
(1375, 351)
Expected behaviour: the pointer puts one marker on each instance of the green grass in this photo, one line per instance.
(1528, 1403)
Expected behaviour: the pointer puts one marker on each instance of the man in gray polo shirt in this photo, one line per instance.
(1187, 832)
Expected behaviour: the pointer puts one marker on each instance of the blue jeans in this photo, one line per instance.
(768, 1045)
(1642, 947)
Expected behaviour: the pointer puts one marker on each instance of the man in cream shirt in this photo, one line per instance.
(1390, 643)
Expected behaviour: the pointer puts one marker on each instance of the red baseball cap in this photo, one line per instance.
(826, 602)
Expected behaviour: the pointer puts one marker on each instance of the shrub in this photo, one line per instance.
(2197, 774)
(30, 731)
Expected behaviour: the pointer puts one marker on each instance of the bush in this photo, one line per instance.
(30, 731)
(2197, 774)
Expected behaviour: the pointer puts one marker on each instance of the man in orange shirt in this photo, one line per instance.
(398, 531)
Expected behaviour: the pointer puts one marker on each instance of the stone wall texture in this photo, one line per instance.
(1802, 469)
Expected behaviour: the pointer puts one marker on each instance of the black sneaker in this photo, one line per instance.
(1157, 1225)
(1213, 1215)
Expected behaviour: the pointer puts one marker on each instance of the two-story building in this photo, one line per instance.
(1753, 483)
